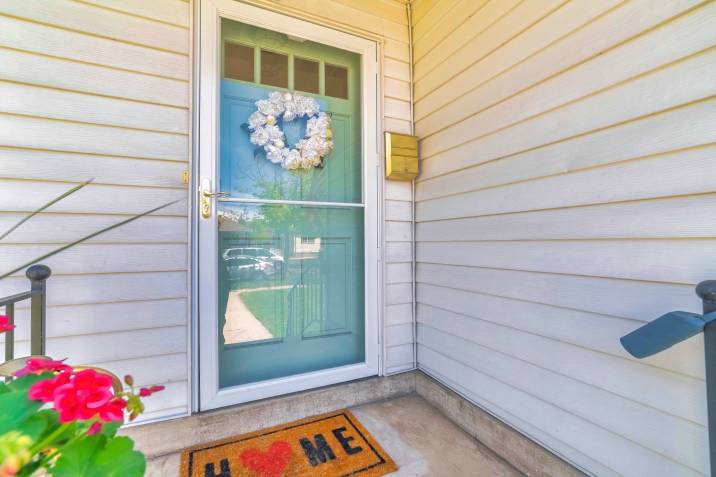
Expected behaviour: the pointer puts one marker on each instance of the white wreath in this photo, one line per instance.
(265, 131)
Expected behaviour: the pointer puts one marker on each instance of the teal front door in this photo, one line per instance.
(290, 262)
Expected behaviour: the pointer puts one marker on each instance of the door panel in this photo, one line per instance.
(245, 172)
(301, 312)
(290, 275)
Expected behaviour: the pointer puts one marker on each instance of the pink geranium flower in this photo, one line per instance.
(45, 390)
(84, 396)
(42, 365)
(80, 396)
(5, 324)
(113, 410)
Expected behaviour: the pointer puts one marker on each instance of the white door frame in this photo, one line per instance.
(211, 12)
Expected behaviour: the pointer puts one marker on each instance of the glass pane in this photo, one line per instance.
(305, 75)
(246, 172)
(336, 81)
(238, 62)
(290, 290)
(274, 69)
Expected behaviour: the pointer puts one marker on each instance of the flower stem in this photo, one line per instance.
(49, 439)
(58, 450)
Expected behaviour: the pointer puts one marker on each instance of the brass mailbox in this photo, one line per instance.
(401, 156)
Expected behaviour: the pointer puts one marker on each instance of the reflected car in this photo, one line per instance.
(247, 268)
(261, 253)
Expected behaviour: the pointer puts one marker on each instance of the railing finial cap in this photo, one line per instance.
(706, 290)
(38, 272)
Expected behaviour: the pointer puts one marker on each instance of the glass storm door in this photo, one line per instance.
(290, 251)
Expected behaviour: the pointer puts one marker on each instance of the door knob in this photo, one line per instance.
(206, 196)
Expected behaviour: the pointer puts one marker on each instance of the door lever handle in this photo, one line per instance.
(211, 195)
(206, 196)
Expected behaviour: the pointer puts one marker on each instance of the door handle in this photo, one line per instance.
(206, 196)
(211, 195)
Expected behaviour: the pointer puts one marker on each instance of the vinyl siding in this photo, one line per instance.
(568, 176)
(387, 19)
(100, 89)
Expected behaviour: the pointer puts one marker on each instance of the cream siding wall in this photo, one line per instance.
(567, 196)
(100, 88)
(386, 19)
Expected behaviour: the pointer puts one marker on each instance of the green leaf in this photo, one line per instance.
(34, 426)
(51, 417)
(45, 206)
(98, 456)
(110, 429)
(15, 408)
(119, 459)
(24, 383)
(76, 460)
(86, 237)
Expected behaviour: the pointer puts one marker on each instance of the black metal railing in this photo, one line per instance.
(673, 328)
(706, 290)
(38, 275)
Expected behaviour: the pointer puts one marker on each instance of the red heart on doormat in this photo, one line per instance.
(271, 463)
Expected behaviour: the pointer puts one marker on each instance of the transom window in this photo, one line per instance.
(306, 75)
(274, 69)
(238, 62)
(271, 68)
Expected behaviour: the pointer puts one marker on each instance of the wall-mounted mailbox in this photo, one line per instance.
(401, 157)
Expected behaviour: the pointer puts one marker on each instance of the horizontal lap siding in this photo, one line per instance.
(566, 197)
(386, 18)
(100, 89)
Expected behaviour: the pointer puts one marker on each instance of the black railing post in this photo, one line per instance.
(707, 292)
(10, 335)
(38, 274)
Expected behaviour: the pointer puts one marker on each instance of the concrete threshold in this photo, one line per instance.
(428, 429)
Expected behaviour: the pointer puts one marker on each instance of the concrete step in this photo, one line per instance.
(416, 435)
(160, 439)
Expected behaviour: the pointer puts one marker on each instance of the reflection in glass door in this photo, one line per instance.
(290, 242)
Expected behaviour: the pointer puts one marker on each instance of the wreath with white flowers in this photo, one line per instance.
(266, 132)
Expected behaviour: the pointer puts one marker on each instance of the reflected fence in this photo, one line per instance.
(307, 308)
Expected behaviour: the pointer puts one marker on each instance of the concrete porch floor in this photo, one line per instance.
(426, 427)
(421, 440)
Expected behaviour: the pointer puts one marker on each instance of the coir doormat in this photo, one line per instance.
(333, 444)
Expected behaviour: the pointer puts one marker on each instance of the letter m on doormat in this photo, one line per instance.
(317, 453)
